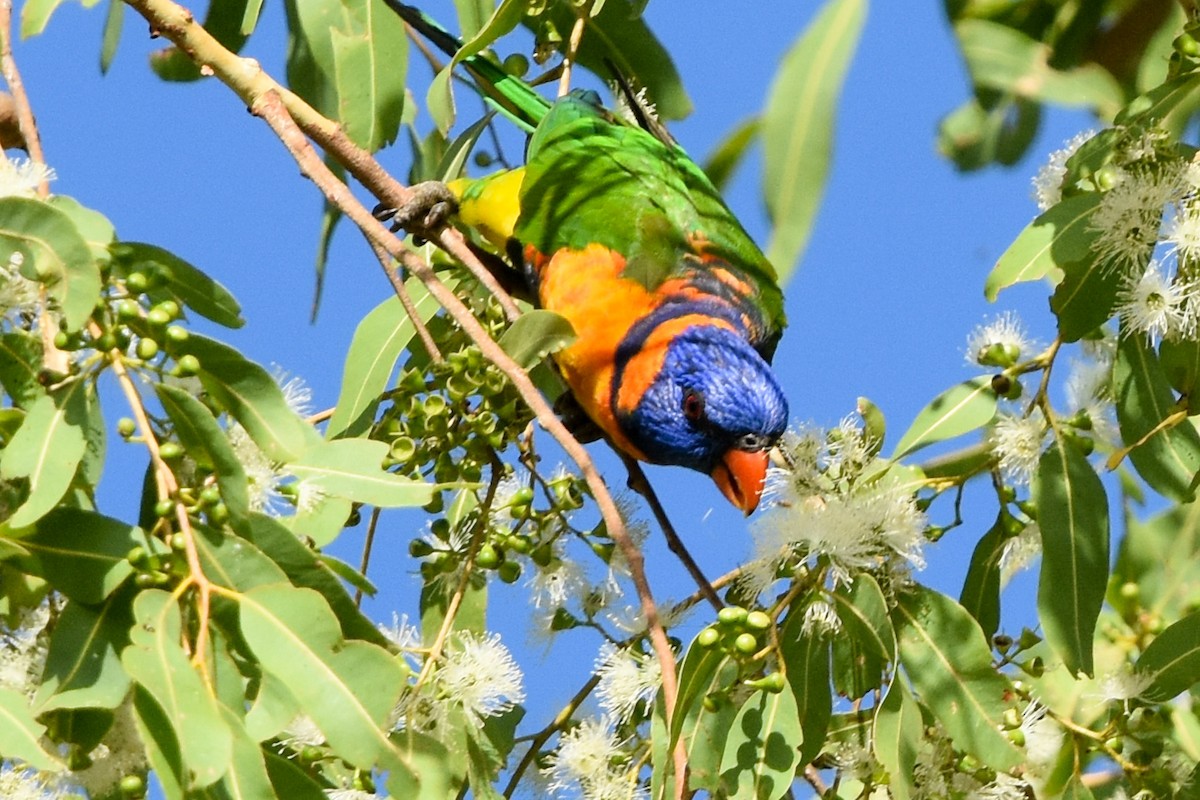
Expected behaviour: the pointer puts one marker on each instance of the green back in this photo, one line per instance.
(593, 178)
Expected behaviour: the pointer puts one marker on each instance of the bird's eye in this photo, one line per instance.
(693, 405)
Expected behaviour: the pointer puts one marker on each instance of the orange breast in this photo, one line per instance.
(586, 287)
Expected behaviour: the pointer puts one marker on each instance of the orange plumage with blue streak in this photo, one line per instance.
(676, 310)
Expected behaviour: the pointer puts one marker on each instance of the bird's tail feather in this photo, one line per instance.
(512, 95)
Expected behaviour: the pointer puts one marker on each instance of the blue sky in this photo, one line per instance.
(889, 288)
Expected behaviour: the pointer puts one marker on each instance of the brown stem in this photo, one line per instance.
(541, 737)
(573, 42)
(641, 484)
(366, 554)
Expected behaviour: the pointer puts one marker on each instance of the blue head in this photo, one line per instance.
(714, 406)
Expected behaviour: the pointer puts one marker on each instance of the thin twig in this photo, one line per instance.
(641, 484)
(573, 42)
(541, 737)
(366, 554)
(168, 489)
(397, 281)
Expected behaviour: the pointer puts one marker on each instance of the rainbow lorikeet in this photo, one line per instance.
(676, 310)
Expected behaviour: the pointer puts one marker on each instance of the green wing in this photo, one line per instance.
(593, 178)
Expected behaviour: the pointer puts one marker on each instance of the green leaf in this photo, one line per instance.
(798, 123)
(207, 444)
(1180, 361)
(112, 34)
(162, 745)
(1002, 57)
(723, 162)
(95, 228)
(155, 660)
(321, 519)
(535, 335)
(1086, 297)
(20, 363)
(54, 252)
(806, 658)
(233, 562)
(472, 15)
(949, 663)
(618, 37)
(898, 730)
(863, 611)
(1058, 237)
(348, 688)
(351, 468)
(1172, 660)
(958, 410)
(252, 397)
(981, 589)
(20, 734)
(35, 15)
(370, 56)
(82, 553)
(705, 731)
(1158, 555)
(977, 134)
(1158, 103)
(303, 569)
(439, 98)
(1170, 457)
(83, 667)
(1073, 518)
(292, 782)
(455, 157)
(185, 284)
(700, 667)
(761, 753)
(247, 777)
(378, 341)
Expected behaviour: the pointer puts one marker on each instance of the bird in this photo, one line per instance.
(677, 312)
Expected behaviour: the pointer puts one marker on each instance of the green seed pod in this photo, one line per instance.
(758, 621)
(136, 555)
(177, 334)
(509, 571)
(128, 309)
(603, 549)
(106, 342)
(518, 544)
(488, 556)
(517, 64)
(1011, 718)
(133, 786)
(441, 528)
(731, 616)
(170, 308)
(403, 449)
(746, 643)
(178, 542)
(158, 318)
(708, 637)
(210, 495)
(187, 365)
(63, 341)
(146, 349)
(218, 514)
(169, 451)
(483, 159)
(136, 282)
(1002, 643)
(542, 555)
(1185, 44)
(419, 548)
(126, 427)
(772, 683)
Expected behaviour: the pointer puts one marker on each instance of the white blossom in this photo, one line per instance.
(480, 675)
(25, 784)
(296, 392)
(18, 294)
(1005, 333)
(626, 679)
(1017, 443)
(1043, 736)
(21, 178)
(1156, 305)
(1047, 184)
(349, 794)
(23, 651)
(820, 618)
(1181, 233)
(1125, 685)
(588, 763)
(1089, 391)
(1004, 787)
(1127, 221)
(263, 476)
(302, 732)
(1020, 551)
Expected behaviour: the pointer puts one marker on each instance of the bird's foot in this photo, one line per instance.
(429, 208)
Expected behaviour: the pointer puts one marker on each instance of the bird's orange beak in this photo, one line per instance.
(740, 475)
